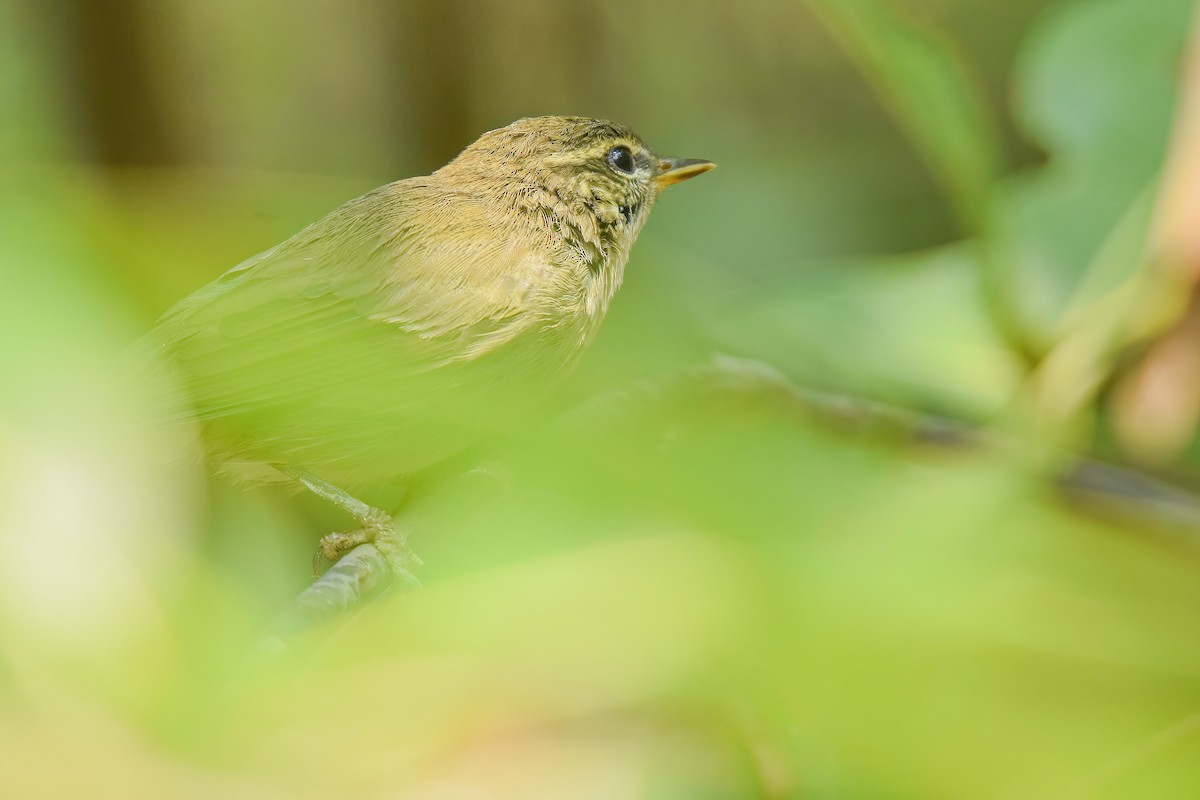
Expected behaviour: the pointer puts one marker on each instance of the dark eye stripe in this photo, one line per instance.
(621, 159)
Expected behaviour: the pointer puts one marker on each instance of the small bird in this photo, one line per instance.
(417, 320)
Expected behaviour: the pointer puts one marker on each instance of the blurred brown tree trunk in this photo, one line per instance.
(435, 49)
(122, 114)
(448, 52)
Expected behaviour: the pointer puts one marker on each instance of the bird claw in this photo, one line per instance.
(383, 533)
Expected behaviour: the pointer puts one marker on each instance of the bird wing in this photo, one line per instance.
(355, 329)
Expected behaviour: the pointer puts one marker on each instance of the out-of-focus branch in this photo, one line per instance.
(740, 386)
(1107, 491)
(746, 386)
(1157, 404)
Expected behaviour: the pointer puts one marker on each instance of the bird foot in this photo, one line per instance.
(389, 540)
(378, 528)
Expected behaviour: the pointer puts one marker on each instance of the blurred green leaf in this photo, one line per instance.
(908, 329)
(924, 83)
(1099, 76)
(1096, 86)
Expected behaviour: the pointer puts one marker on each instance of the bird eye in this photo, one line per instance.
(621, 159)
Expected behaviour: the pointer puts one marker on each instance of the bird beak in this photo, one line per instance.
(674, 170)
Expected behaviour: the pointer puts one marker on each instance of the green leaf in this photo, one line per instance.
(1096, 86)
(926, 86)
(903, 329)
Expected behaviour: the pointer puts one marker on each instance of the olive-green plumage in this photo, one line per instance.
(415, 319)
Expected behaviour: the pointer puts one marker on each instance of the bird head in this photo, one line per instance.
(604, 177)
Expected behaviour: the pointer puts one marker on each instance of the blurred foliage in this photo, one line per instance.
(930, 94)
(721, 599)
(1095, 89)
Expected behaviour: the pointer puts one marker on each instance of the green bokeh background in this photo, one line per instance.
(916, 202)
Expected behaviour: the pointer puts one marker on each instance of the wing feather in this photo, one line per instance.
(355, 330)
